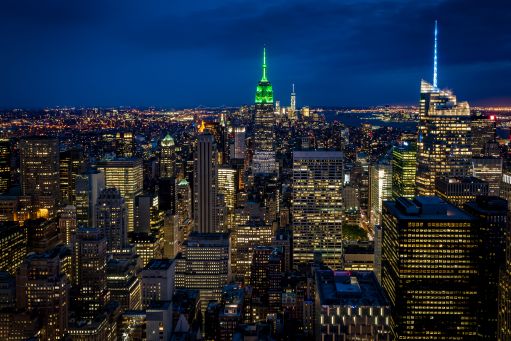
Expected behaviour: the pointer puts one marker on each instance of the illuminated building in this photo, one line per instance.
(88, 187)
(67, 224)
(13, 243)
(223, 317)
(404, 167)
(488, 169)
(159, 321)
(145, 206)
(42, 234)
(492, 214)
(147, 245)
(167, 158)
(358, 256)
(430, 269)
(89, 262)
(125, 175)
(158, 278)
(39, 167)
(239, 146)
(71, 163)
(264, 125)
(124, 142)
(245, 237)
(5, 165)
(444, 142)
(183, 201)
(504, 299)
(205, 185)
(123, 283)
(103, 327)
(283, 241)
(172, 236)
(111, 219)
(350, 305)
(305, 112)
(459, 191)
(483, 131)
(42, 288)
(380, 189)
(292, 108)
(317, 205)
(207, 264)
(227, 193)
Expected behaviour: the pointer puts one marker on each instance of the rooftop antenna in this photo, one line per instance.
(435, 58)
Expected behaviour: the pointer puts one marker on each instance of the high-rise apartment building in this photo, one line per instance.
(444, 140)
(317, 205)
(112, 219)
(127, 176)
(39, 166)
(430, 269)
(404, 167)
(205, 183)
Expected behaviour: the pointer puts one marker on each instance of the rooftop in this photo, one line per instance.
(349, 288)
(425, 208)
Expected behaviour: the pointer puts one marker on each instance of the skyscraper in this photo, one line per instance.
(5, 165)
(13, 243)
(111, 219)
(443, 145)
(403, 170)
(72, 162)
(293, 100)
(488, 169)
(227, 194)
(88, 187)
(264, 122)
(39, 166)
(167, 158)
(380, 189)
(127, 176)
(42, 288)
(317, 205)
(89, 262)
(205, 183)
(67, 224)
(430, 269)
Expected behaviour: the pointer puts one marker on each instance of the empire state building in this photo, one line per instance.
(264, 149)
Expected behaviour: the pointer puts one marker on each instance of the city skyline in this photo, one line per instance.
(360, 54)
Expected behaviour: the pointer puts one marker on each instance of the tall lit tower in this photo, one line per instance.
(167, 157)
(293, 100)
(264, 150)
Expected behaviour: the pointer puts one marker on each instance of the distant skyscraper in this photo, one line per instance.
(460, 190)
(293, 100)
(111, 219)
(227, 194)
(264, 126)
(444, 140)
(167, 157)
(88, 187)
(488, 169)
(430, 269)
(89, 262)
(67, 224)
(240, 148)
(5, 165)
(39, 166)
(380, 189)
(317, 206)
(404, 161)
(127, 176)
(71, 165)
(205, 183)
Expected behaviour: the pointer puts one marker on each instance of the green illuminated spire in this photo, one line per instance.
(264, 66)
(264, 91)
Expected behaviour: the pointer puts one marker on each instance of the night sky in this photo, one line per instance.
(186, 53)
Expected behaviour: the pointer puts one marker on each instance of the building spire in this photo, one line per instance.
(264, 79)
(435, 57)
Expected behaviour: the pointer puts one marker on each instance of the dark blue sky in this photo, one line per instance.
(182, 53)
